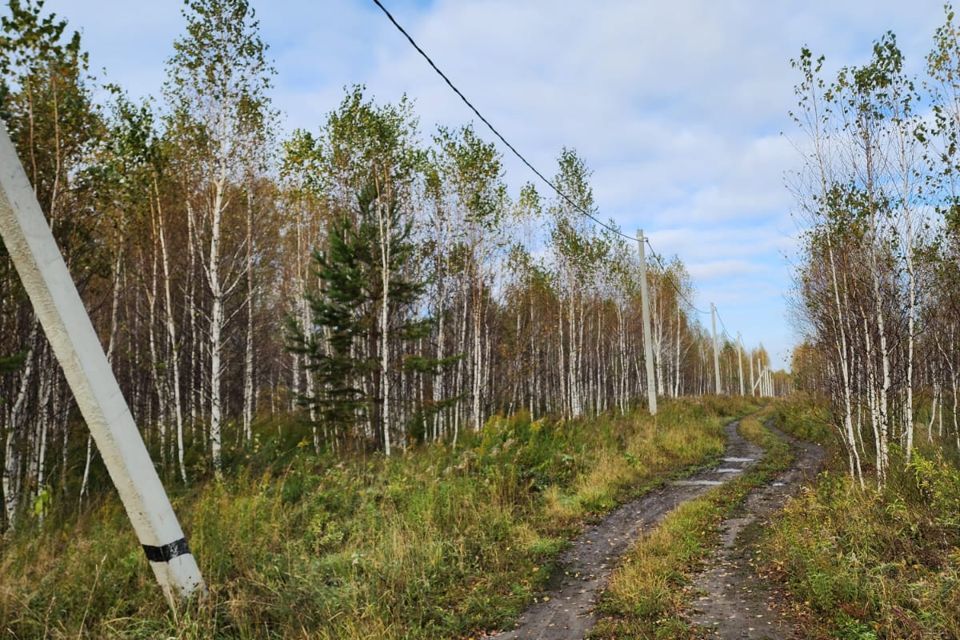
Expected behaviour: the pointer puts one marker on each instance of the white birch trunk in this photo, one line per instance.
(174, 345)
(217, 321)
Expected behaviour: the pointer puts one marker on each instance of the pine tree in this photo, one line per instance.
(9, 364)
(329, 342)
(345, 316)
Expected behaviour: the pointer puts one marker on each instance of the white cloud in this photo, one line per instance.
(677, 106)
(725, 269)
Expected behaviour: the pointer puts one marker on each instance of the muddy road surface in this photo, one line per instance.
(565, 612)
(734, 602)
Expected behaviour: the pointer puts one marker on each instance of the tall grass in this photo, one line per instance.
(437, 542)
(874, 563)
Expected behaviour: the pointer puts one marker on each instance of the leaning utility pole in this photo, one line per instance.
(645, 317)
(68, 328)
(740, 360)
(716, 347)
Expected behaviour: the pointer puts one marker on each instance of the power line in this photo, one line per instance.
(523, 159)
(670, 280)
(722, 325)
(680, 293)
(499, 135)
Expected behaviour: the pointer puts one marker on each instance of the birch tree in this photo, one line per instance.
(218, 79)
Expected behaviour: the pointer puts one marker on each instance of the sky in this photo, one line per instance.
(680, 108)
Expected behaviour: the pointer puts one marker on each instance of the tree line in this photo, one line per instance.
(877, 287)
(378, 285)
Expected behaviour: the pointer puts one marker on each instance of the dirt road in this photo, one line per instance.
(566, 611)
(734, 602)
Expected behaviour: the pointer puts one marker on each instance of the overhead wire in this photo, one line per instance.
(676, 287)
(495, 132)
(722, 325)
(529, 165)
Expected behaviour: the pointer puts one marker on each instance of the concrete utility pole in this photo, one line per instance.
(740, 360)
(753, 385)
(763, 372)
(64, 319)
(645, 313)
(716, 347)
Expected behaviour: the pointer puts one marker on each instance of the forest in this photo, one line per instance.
(875, 293)
(375, 282)
(392, 394)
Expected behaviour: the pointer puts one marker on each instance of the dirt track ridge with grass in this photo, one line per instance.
(734, 602)
(566, 610)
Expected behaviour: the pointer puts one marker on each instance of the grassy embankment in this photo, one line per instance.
(874, 563)
(434, 543)
(649, 591)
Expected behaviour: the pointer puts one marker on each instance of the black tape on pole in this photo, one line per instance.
(167, 552)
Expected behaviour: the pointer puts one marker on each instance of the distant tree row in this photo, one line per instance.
(878, 289)
(383, 289)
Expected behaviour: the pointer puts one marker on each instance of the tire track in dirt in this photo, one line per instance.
(736, 603)
(566, 610)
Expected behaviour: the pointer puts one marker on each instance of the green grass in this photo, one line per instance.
(803, 417)
(435, 543)
(875, 563)
(649, 592)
